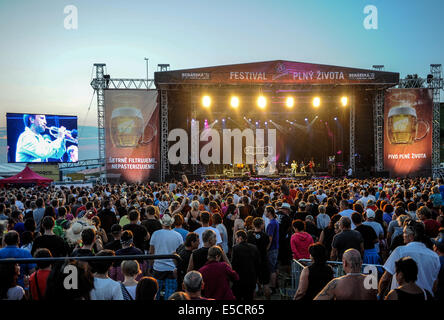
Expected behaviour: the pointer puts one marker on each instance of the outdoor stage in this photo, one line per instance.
(317, 111)
(333, 116)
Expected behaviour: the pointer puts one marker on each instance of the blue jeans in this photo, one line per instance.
(272, 259)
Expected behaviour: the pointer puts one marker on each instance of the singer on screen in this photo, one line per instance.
(31, 144)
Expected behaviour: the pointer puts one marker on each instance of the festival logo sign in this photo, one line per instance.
(278, 71)
(408, 118)
(132, 142)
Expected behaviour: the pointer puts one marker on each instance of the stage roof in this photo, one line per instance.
(277, 72)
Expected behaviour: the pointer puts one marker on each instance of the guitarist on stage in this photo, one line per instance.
(294, 168)
(303, 168)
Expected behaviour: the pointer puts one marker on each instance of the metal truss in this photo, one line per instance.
(99, 84)
(378, 129)
(352, 134)
(128, 84)
(436, 84)
(165, 165)
(80, 163)
(194, 139)
(411, 83)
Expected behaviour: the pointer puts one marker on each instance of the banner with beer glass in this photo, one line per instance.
(132, 140)
(408, 115)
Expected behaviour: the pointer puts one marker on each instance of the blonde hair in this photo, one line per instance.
(130, 268)
(195, 204)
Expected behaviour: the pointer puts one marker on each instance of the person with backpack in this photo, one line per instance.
(61, 224)
(131, 270)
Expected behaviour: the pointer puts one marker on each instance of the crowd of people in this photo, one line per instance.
(235, 239)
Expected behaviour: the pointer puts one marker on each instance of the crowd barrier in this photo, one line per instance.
(93, 258)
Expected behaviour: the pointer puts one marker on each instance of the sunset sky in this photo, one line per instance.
(46, 67)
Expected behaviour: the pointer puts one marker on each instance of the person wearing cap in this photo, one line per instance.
(300, 214)
(283, 217)
(428, 261)
(438, 247)
(165, 241)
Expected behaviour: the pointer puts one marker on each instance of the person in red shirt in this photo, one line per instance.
(217, 276)
(300, 240)
(431, 226)
(293, 192)
(38, 280)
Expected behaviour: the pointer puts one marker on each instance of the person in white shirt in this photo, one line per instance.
(370, 221)
(427, 260)
(344, 211)
(105, 288)
(321, 195)
(205, 220)
(33, 147)
(165, 241)
(131, 270)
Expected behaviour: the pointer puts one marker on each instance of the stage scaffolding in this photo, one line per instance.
(378, 129)
(103, 82)
(436, 84)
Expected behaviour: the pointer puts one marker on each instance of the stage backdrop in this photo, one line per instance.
(408, 115)
(132, 139)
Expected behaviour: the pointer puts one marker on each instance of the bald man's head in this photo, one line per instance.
(351, 260)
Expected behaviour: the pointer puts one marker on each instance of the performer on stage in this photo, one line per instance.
(33, 147)
(311, 165)
(294, 168)
(303, 168)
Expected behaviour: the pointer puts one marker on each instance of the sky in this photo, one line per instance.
(48, 68)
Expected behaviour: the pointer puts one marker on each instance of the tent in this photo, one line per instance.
(27, 176)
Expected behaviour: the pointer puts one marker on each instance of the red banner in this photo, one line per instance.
(132, 140)
(408, 116)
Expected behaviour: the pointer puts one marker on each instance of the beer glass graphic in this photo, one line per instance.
(128, 127)
(403, 125)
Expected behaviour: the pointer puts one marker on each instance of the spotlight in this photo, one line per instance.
(316, 102)
(335, 118)
(217, 121)
(344, 101)
(262, 102)
(206, 101)
(249, 120)
(271, 120)
(234, 102)
(306, 119)
(289, 102)
(223, 120)
(266, 123)
(257, 123)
